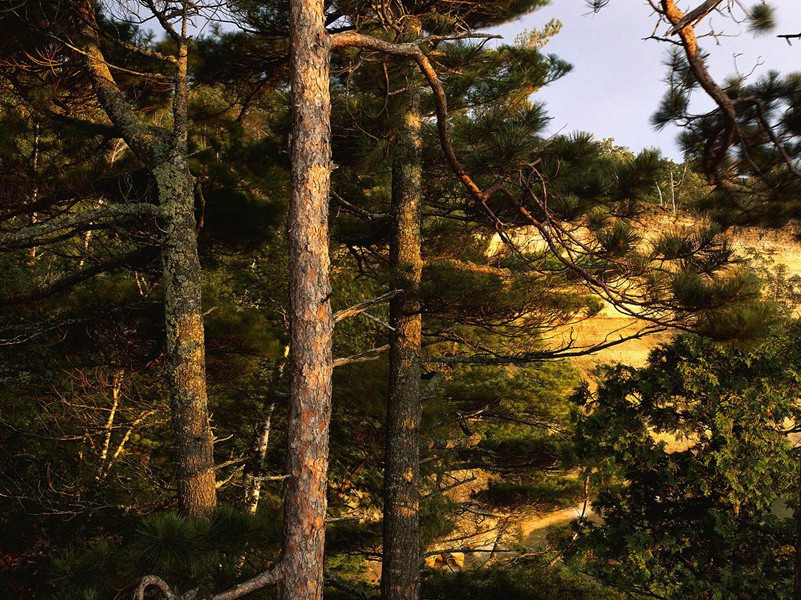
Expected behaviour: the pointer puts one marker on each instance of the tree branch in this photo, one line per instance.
(145, 142)
(40, 293)
(453, 444)
(367, 356)
(268, 577)
(33, 234)
(354, 310)
(694, 15)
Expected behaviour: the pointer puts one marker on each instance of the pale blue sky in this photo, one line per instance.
(617, 77)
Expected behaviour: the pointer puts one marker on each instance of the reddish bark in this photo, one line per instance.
(311, 320)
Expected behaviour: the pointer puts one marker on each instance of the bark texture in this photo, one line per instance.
(311, 320)
(186, 357)
(165, 155)
(400, 576)
(797, 566)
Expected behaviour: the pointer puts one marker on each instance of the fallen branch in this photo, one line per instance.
(238, 591)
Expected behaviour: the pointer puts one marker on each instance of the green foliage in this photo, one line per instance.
(539, 492)
(690, 459)
(529, 580)
(101, 520)
(762, 18)
(208, 554)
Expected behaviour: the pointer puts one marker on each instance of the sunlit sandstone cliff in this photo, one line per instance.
(779, 247)
(489, 530)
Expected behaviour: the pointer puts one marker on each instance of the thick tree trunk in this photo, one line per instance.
(311, 322)
(186, 358)
(400, 579)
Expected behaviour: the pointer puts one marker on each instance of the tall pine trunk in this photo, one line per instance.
(400, 579)
(311, 322)
(186, 347)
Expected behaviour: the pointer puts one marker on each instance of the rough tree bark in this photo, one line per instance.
(299, 572)
(186, 358)
(165, 156)
(400, 575)
(797, 567)
(311, 319)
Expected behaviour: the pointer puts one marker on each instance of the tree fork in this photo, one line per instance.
(165, 156)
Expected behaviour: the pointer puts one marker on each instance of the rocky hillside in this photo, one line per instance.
(770, 247)
(485, 532)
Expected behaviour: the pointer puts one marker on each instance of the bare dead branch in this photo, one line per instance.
(354, 310)
(367, 356)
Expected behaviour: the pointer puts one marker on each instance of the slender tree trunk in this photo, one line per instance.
(116, 389)
(186, 357)
(400, 578)
(35, 180)
(186, 350)
(311, 323)
(256, 469)
(165, 156)
(797, 582)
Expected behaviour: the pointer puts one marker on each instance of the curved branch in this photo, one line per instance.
(145, 142)
(262, 580)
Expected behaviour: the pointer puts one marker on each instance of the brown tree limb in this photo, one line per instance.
(683, 25)
(366, 356)
(453, 444)
(356, 309)
(146, 142)
(542, 355)
(695, 15)
(253, 584)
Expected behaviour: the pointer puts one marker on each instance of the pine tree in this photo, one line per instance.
(699, 518)
(163, 154)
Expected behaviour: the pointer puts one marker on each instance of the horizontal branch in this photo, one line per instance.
(541, 355)
(265, 478)
(40, 293)
(448, 488)
(453, 444)
(36, 234)
(367, 356)
(357, 210)
(354, 310)
(262, 580)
